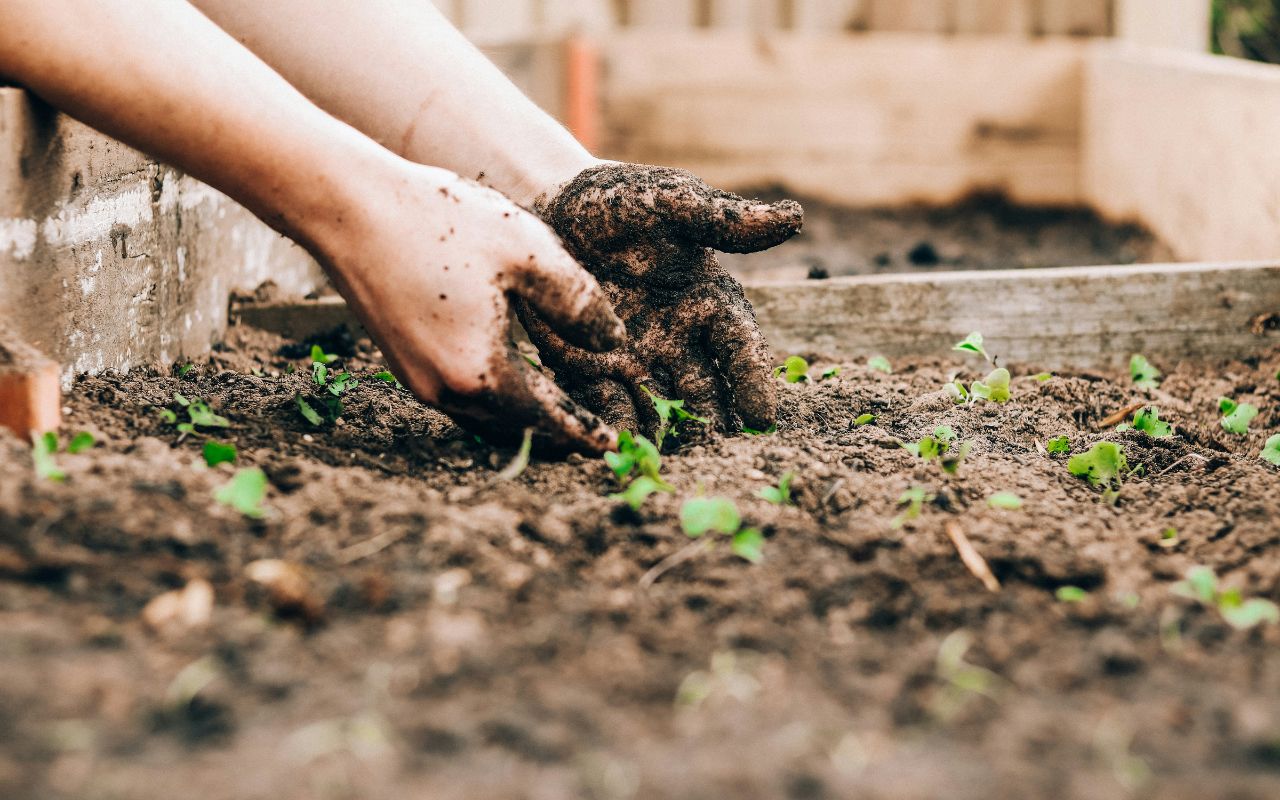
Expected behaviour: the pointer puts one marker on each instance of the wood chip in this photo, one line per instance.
(971, 558)
(1121, 415)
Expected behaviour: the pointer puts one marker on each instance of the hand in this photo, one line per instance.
(647, 234)
(428, 265)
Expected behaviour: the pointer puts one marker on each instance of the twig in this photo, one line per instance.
(677, 558)
(368, 547)
(971, 558)
(1121, 415)
(518, 464)
(1179, 461)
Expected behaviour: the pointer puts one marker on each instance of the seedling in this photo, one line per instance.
(1103, 465)
(319, 356)
(961, 681)
(995, 388)
(1143, 372)
(1271, 450)
(1058, 444)
(1169, 538)
(521, 461)
(914, 500)
(387, 377)
(670, 414)
(328, 407)
(1071, 594)
(1007, 501)
(216, 453)
(635, 454)
(880, 364)
(1147, 420)
(940, 446)
(769, 431)
(829, 372)
(43, 449)
(864, 419)
(794, 370)
(80, 442)
(1043, 377)
(1201, 585)
(702, 515)
(199, 414)
(639, 490)
(185, 369)
(959, 395)
(779, 495)
(1237, 416)
(245, 492)
(972, 344)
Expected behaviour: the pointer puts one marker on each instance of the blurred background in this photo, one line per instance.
(1247, 29)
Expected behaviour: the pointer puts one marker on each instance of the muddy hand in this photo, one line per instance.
(648, 234)
(429, 269)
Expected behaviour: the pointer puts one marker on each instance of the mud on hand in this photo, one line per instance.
(648, 234)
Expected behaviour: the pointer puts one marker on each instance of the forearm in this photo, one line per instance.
(401, 73)
(164, 79)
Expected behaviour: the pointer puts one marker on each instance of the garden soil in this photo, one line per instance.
(403, 622)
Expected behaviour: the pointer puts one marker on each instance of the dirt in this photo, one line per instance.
(982, 232)
(436, 631)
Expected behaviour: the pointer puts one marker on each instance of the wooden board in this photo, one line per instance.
(863, 120)
(1187, 144)
(1083, 317)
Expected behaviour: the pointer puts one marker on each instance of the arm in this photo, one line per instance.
(427, 259)
(400, 72)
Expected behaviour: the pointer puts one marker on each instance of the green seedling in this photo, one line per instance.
(1201, 585)
(829, 372)
(1169, 538)
(1043, 377)
(972, 344)
(185, 369)
(199, 414)
(995, 388)
(328, 407)
(1071, 594)
(638, 455)
(319, 356)
(1143, 372)
(914, 500)
(80, 442)
(1058, 444)
(245, 492)
(961, 681)
(1007, 501)
(639, 490)
(794, 370)
(521, 461)
(1236, 416)
(1103, 465)
(43, 449)
(702, 515)
(216, 453)
(1271, 450)
(880, 364)
(769, 431)
(958, 394)
(1147, 420)
(941, 446)
(864, 419)
(779, 495)
(670, 414)
(387, 377)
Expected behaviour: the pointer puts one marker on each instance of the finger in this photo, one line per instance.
(723, 220)
(521, 397)
(742, 352)
(698, 387)
(612, 402)
(570, 300)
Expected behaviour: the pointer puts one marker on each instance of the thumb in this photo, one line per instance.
(732, 224)
(570, 300)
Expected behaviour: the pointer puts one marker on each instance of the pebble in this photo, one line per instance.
(181, 610)
(288, 589)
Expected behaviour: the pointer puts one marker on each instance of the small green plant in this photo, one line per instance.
(1070, 594)
(1147, 420)
(1271, 450)
(1143, 372)
(864, 419)
(45, 446)
(829, 372)
(636, 454)
(245, 492)
(670, 414)
(1236, 416)
(794, 370)
(702, 515)
(1169, 538)
(972, 344)
(319, 356)
(961, 681)
(1201, 585)
(958, 393)
(1007, 501)
(1058, 444)
(199, 415)
(779, 495)
(80, 442)
(1043, 377)
(638, 490)
(940, 446)
(386, 377)
(328, 406)
(880, 364)
(995, 388)
(185, 369)
(216, 453)
(769, 431)
(1103, 465)
(914, 499)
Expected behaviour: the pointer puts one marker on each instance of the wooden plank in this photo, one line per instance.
(1075, 17)
(676, 16)
(1011, 17)
(915, 16)
(873, 119)
(1081, 317)
(828, 16)
(745, 15)
(1186, 143)
(1179, 24)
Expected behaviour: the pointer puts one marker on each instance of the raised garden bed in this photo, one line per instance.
(459, 635)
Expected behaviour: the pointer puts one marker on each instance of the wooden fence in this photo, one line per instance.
(492, 21)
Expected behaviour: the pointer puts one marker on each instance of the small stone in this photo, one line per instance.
(289, 590)
(181, 610)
